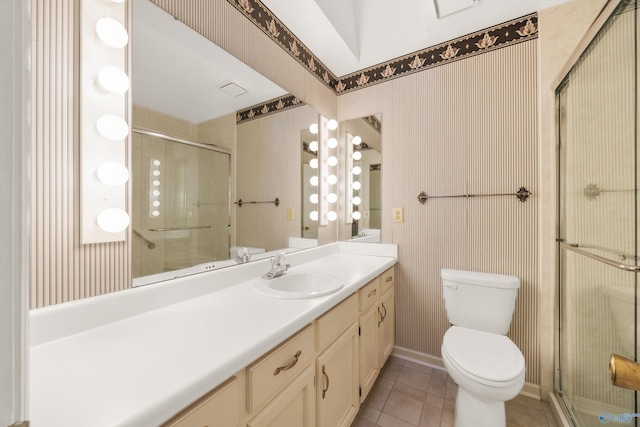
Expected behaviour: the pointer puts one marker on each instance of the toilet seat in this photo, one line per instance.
(483, 357)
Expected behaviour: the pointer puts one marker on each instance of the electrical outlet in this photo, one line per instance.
(398, 215)
(290, 214)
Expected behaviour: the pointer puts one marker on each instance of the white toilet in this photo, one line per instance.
(487, 366)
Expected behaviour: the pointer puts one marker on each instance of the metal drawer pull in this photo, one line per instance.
(624, 372)
(290, 365)
(380, 317)
(390, 278)
(384, 316)
(326, 377)
(372, 293)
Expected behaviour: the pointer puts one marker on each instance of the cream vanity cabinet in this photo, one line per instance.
(377, 327)
(316, 377)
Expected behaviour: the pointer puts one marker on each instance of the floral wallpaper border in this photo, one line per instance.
(509, 33)
(374, 123)
(276, 105)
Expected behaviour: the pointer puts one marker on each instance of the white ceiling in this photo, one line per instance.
(178, 72)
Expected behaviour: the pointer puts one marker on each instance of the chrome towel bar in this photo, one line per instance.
(522, 194)
(240, 202)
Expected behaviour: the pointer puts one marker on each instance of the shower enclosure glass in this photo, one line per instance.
(181, 204)
(598, 223)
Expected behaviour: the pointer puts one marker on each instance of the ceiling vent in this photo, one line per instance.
(449, 7)
(232, 89)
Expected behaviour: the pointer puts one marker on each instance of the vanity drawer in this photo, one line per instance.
(369, 294)
(217, 408)
(387, 279)
(272, 372)
(332, 324)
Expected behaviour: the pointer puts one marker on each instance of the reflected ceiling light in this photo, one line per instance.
(332, 161)
(314, 181)
(313, 199)
(332, 143)
(112, 79)
(313, 146)
(113, 220)
(313, 128)
(332, 215)
(156, 203)
(113, 173)
(357, 200)
(112, 33)
(156, 173)
(155, 193)
(112, 127)
(356, 140)
(313, 163)
(156, 183)
(357, 155)
(332, 179)
(155, 213)
(357, 170)
(313, 215)
(332, 197)
(156, 162)
(357, 185)
(356, 215)
(332, 124)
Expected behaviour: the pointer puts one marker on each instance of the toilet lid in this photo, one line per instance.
(484, 355)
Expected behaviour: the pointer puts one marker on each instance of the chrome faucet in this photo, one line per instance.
(278, 268)
(243, 256)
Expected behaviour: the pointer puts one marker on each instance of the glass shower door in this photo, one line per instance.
(598, 227)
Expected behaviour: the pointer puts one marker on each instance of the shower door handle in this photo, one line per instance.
(624, 372)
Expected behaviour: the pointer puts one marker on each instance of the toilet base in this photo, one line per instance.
(473, 412)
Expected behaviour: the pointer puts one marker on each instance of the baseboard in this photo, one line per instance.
(558, 412)
(528, 390)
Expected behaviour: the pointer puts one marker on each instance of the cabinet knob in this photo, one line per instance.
(289, 365)
(390, 278)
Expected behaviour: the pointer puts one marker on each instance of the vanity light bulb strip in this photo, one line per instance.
(154, 187)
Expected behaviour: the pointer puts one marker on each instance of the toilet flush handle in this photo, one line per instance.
(450, 286)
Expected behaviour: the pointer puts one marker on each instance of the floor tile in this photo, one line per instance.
(391, 371)
(434, 400)
(525, 414)
(387, 420)
(361, 422)
(378, 397)
(385, 382)
(418, 367)
(413, 378)
(403, 407)
(409, 391)
(438, 386)
(430, 417)
(370, 414)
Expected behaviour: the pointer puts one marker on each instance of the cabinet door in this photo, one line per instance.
(387, 330)
(368, 343)
(219, 408)
(337, 377)
(294, 406)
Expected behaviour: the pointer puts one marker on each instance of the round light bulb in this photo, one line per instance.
(356, 140)
(357, 185)
(314, 181)
(332, 124)
(113, 220)
(313, 146)
(156, 203)
(332, 179)
(356, 215)
(156, 162)
(156, 183)
(357, 200)
(156, 173)
(313, 199)
(332, 197)
(332, 216)
(112, 33)
(113, 79)
(356, 155)
(313, 163)
(112, 127)
(313, 128)
(357, 170)
(313, 215)
(332, 161)
(332, 143)
(155, 213)
(155, 193)
(113, 173)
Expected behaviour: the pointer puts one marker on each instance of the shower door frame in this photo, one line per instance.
(609, 9)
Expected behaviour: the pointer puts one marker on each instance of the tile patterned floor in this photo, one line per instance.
(407, 394)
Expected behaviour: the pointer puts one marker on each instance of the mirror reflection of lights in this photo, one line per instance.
(314, 181)
(332, 124)
(357, 155)
(313, 163)
(332, 198)
(313, 146)
(156, 183)
(332, 215)
(357, 185)
(156, 193)
(356, 140)
(332, 143)
(313, 199)
(313, 128)
(357, 170)
(356, 215)
(332, 161)
(357, 200)
(313, 215)
(155, 213)
(156, 173)
(332, 179)
(156, 203)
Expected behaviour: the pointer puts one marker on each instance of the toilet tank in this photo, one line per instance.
(481, 301)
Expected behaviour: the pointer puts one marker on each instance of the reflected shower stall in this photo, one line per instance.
(598, 224)
(181, 204)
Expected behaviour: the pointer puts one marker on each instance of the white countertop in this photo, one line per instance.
(141, 369)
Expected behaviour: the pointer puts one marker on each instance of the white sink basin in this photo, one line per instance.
(297, 286)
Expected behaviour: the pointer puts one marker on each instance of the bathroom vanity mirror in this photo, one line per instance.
(215, 161)
(363, 170)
